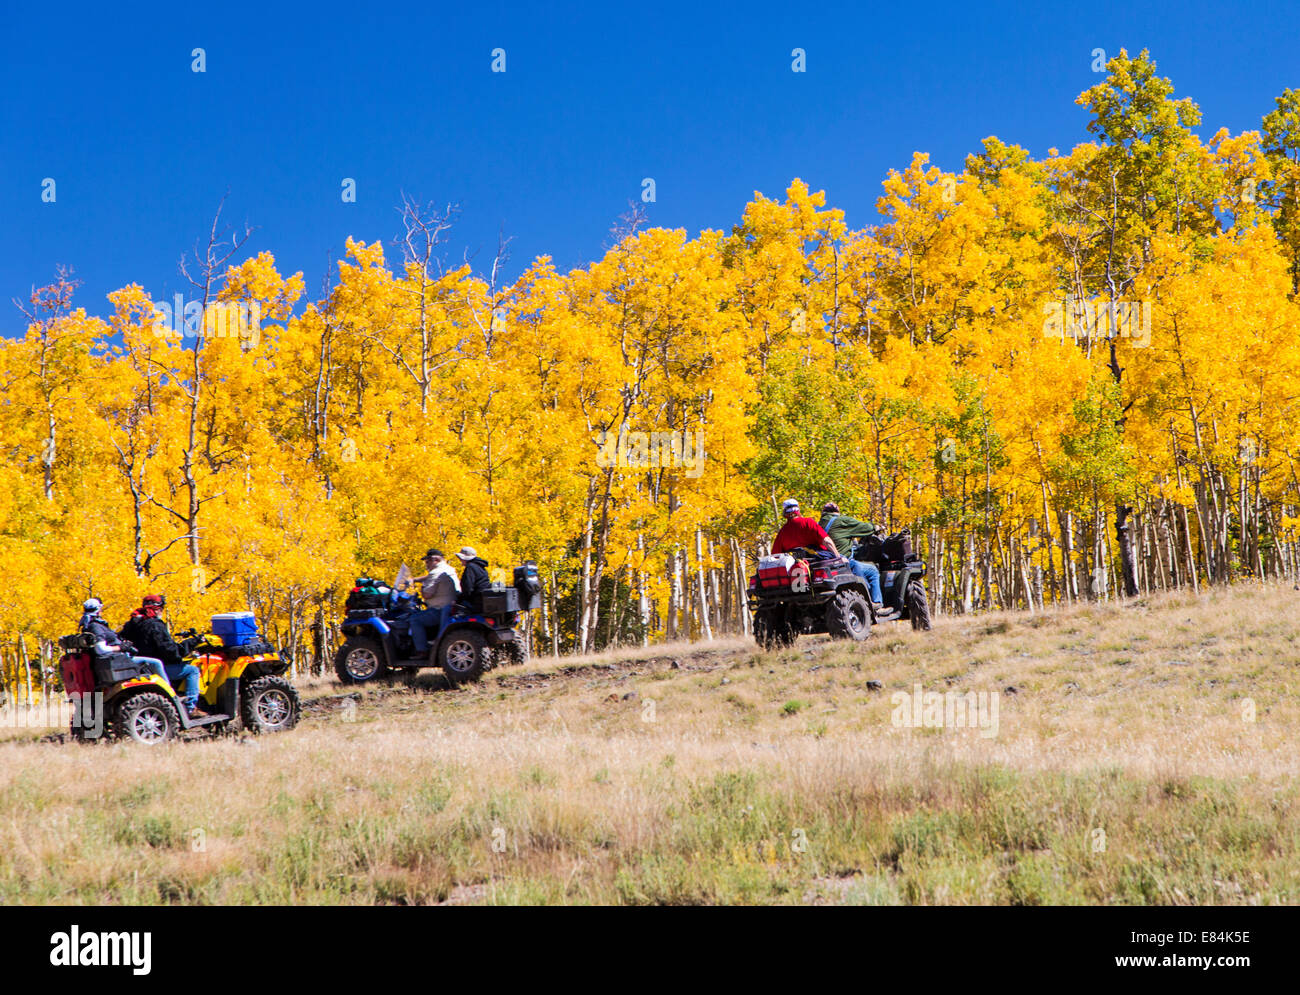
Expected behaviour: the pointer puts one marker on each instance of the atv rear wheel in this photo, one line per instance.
(87, 726)
(80, 734)
(848, 616)
(772, 630)
(918, 606)
(147, 718)
(269, 704)
(360, 660)
(463, 656)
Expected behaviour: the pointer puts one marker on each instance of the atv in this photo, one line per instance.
(470, 640)
(239, 687)
(799, 593)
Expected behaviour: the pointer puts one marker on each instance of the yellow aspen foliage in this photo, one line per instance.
(1072, 377)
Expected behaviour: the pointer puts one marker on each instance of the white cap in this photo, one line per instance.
(467, 553)
(790, 505)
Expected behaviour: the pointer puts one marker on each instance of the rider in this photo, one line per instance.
(799, 532)
(148, 631)
(107, 641)
(844, 530)
(438, 588)
(474, 580)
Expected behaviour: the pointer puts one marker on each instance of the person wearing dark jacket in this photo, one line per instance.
(149, 632)
(474, 580)
(844, 532)
(107, 641)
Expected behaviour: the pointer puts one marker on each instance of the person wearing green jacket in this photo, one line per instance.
(844, 531)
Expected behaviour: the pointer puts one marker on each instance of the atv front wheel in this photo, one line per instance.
(147, 718)
(513, 653)
(773, 631)
(269, 704)
(360, 660)
(463, 656)
(848, 616)
(918, 606)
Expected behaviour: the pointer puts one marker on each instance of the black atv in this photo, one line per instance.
(472, 638)
(806, 593)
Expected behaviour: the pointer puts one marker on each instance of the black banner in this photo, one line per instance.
(151, 946)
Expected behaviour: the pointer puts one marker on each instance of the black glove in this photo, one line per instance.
(128, 647)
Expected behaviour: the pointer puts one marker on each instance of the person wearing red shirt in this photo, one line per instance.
(800, 532)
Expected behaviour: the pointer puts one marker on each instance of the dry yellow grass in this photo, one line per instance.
(1145, 755)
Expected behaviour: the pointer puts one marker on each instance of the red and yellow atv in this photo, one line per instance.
(239, 687)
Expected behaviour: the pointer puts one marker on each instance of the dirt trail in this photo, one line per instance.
(333, 698)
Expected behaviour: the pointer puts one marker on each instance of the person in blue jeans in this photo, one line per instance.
(439, 588)
(146, 630)
(870, 574)
(846, 532)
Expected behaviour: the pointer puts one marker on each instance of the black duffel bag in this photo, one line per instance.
(869, 550)
(529, 585)
(898, 547)
(257, 648)
(365, 601)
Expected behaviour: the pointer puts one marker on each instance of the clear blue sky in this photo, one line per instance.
(699, 96)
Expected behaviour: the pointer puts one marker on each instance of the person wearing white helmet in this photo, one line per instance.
(107, 641)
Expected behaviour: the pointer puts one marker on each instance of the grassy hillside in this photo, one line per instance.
(1141, 754)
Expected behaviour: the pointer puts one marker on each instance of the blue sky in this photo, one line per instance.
(399, 97)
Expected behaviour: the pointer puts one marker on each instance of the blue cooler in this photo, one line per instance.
(235, 628)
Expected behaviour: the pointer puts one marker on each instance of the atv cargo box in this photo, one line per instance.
(77, 674)
(116, 667)
(500, 600)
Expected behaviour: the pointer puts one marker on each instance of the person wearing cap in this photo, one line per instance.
(147, 630)
(474, 578)
(800, 533)
(844, 532)
(438, 588)
(107, 641)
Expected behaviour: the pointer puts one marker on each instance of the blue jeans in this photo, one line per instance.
(871, 574)
(154, 665)
(187, 676)
(421, 622)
